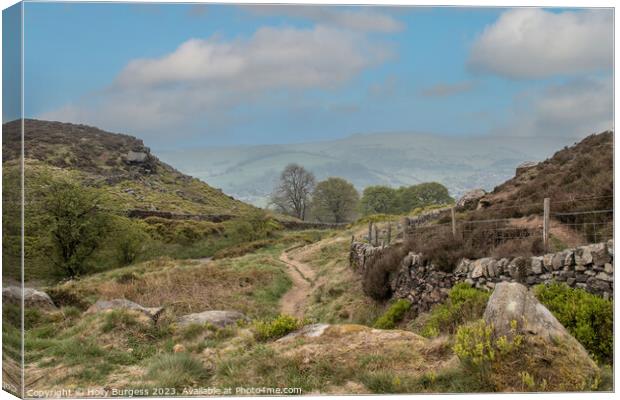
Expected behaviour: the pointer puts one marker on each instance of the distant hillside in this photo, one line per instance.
(581, 171)
(120, 164)
(460, 163)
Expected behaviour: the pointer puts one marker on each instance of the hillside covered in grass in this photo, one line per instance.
(119, 164)
(82, 185)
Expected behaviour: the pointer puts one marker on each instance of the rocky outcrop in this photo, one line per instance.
(136, 157)
(217, 318)
(469, 201)
(123, 304)
(524, 167)
(32, 298)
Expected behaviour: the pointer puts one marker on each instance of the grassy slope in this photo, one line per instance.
(97, 158)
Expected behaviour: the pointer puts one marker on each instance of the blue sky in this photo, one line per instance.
(182, 76)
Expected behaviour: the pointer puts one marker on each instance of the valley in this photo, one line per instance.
(204, 291)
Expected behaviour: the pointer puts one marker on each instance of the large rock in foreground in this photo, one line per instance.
(217, 318)
(548, 353)
(512, 301)
(32, 297)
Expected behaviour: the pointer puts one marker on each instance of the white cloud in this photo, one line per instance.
(206, 78)
(573, 109)
(359, 19)
(534, 43)
(271, 58)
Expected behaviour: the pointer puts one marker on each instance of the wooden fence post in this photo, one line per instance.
(546, 208)
(453, 223)
(389, 233)
(370, 232)
(376, 235)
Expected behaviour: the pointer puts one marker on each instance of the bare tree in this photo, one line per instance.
(292, 195)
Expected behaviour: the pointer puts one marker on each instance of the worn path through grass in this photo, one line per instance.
(302, 275)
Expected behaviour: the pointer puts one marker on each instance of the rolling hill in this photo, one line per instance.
(460, 163)
(119, 164)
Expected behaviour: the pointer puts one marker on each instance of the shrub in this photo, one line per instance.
(254, 226)
(77, 225)
(477, 349)
(464, 304)
(276, 328)
(376, 276)
(393, 315)
(176, 370)
(180, 231)
(130, 238)
(441, 249)
(587, 317)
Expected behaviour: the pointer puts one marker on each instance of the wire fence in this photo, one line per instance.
(576, 223)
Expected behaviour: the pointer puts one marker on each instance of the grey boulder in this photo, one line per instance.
(123, 304)
(217, 318)
(512, 301)
(32, 297)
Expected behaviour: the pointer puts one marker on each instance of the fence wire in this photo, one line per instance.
(585, 225)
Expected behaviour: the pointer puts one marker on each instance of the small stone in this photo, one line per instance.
(492, 268)
(548, 261)
(581, 278)
(609, 269)
(600, 256)
(598, 284)
(581, 285)
(569, 258)
(479, 269)
(537, 265)
(558, 261)
(583, 255)
(571, 281)
(603, 276)
(179, 348)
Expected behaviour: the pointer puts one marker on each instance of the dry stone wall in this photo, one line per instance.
(587, 267)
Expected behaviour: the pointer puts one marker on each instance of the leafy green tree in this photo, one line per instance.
(334, 200)
(77, 225)
(379, 200)
(422, 195)
(130, 239)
